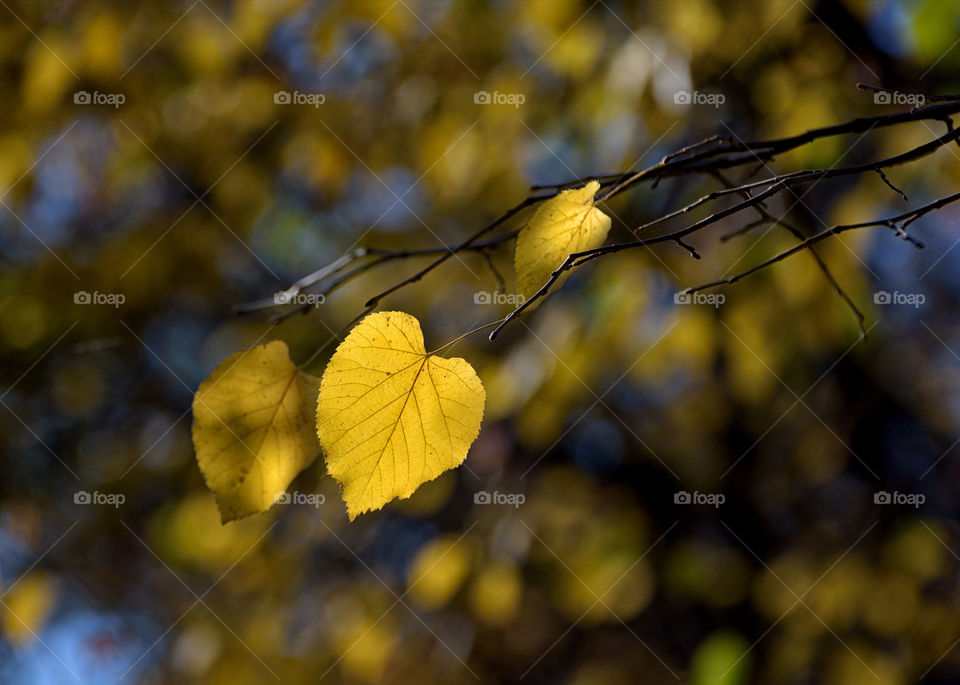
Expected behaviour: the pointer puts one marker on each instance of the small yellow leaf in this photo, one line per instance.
(252, 428)
(391, 417)
(567, 223)
(496, 593)
(26, 607)
(437, 572)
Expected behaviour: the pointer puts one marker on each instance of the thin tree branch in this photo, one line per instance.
(709, 156)
(798, 234)
(897, 223)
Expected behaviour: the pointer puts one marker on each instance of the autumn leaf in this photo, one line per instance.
(567, 223)
(27, 604)
(391, 417)
(438, 570)
(253, 428)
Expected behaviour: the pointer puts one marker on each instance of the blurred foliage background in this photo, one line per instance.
(200, 192)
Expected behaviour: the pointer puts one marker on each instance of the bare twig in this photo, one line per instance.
(743, 229)
(896, 223)
(765, 216)
(578, 259)
(373, 301)
(709, 156)
(381, 256)
(890, 185)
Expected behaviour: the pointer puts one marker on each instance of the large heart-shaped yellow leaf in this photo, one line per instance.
(253, 428)
(390, 416)
(567, 223)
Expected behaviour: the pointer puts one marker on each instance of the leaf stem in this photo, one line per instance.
(465, 335)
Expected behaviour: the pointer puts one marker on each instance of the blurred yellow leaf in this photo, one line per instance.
(915, 549)
(27, 605)
(45, 75)
(562, 225)
(932, 25)
(391, 417)
(252, 428)
(722, 658)
(626, 588)
(495, 594)
(188, 532)
(576, 51)
(438, 571)
(101, 38)
(23, 321)
(363, 640)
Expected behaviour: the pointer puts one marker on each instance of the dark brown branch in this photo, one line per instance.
(890, 185)
(776, 183)
(743, 230)
(709, 156)
(895, 222)
(382, 256)
(765, 216)
(373, 301)
(501, 284)
(579, 258)
(734, 154)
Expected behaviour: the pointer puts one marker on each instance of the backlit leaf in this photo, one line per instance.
(390, 416)
(567, 223)
(253, 428)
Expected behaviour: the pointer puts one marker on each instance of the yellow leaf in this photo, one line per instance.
(27, 605)
(567, 223)
(496, 593)
(391, 417)
(252, 428)
(437, 572)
